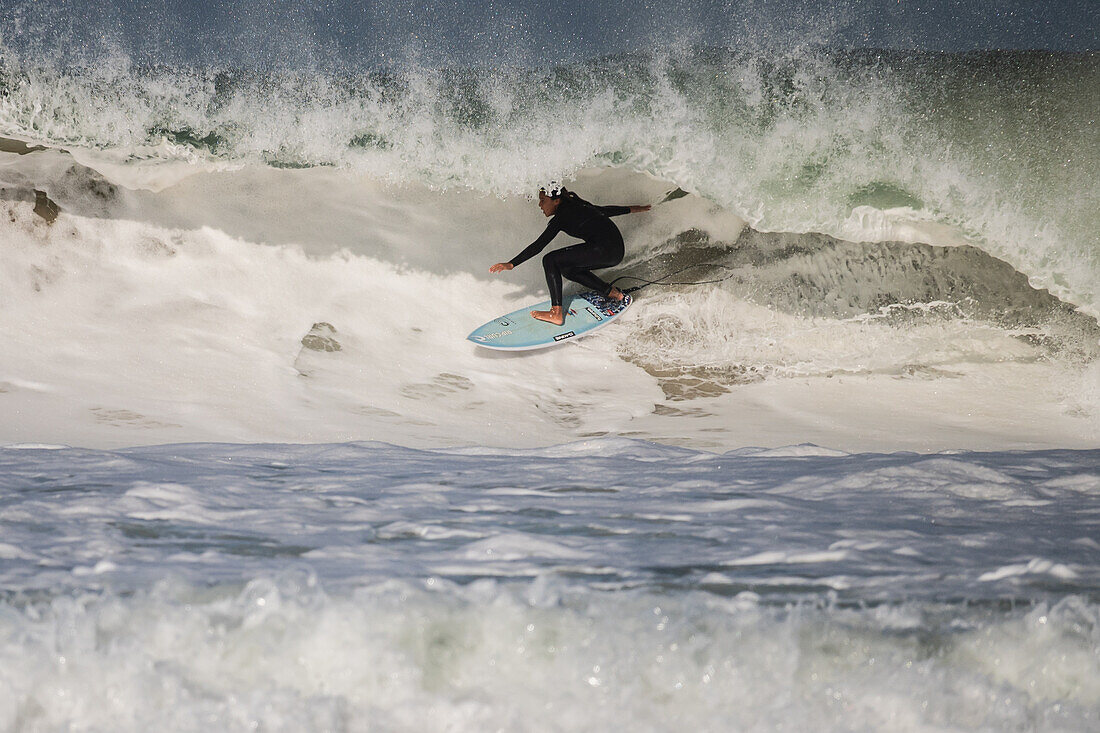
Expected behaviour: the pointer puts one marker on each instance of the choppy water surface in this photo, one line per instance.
(364, 586)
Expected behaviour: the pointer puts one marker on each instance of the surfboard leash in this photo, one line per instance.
(664, 280)
(672, 195)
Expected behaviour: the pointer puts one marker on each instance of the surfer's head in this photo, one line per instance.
(550, 200)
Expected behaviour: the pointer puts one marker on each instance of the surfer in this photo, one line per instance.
(602, 246)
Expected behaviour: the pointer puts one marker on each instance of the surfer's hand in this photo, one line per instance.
(501, 267)
(638, 209)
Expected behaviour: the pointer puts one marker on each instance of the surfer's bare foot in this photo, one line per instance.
(554, 315)
(615, 294)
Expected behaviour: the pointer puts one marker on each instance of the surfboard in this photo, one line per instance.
(518, 331)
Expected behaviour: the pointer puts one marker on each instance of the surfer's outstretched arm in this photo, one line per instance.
(538, 245)
(620, 210)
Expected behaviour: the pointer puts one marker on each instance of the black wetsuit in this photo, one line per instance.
(602, 245)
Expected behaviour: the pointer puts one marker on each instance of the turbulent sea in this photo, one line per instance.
(838, 470)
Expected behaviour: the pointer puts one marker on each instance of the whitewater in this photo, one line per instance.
(838, 469)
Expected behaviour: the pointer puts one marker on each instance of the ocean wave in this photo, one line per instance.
(283, 655)
(991, 147)
(335, 585)
(847, 217)
(285, 287)
(312, 587)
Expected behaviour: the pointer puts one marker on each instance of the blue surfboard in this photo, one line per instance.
(518, 331)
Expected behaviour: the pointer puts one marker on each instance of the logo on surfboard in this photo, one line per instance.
(491, 336)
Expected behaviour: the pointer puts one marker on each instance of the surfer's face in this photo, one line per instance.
(548, 205)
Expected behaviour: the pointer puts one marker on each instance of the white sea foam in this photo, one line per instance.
(185, 262)
(408, 658)
(201, 296)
